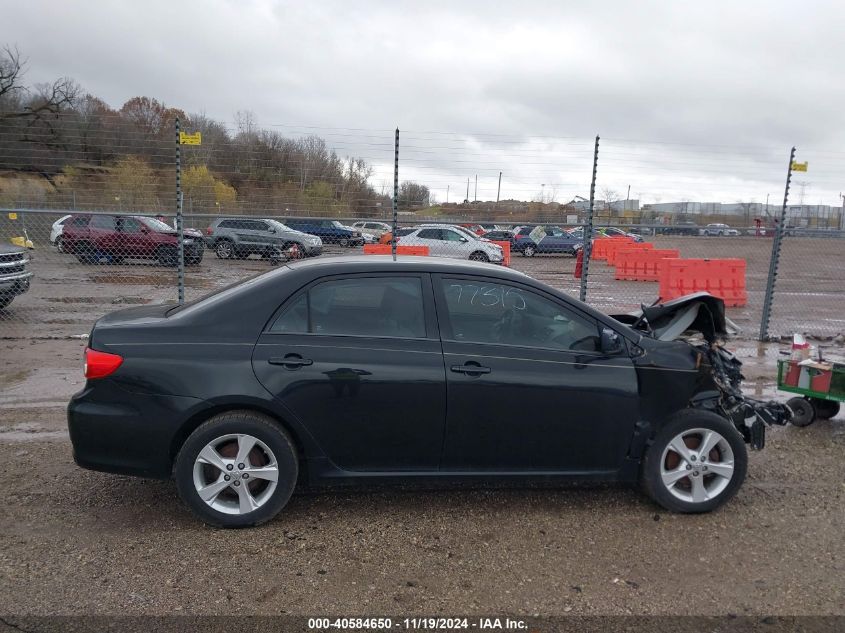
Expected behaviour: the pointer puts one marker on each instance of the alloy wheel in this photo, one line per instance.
(697, 465)
(235, 474)
(224, 249)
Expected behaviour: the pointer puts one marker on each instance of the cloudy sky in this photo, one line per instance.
(698, 101)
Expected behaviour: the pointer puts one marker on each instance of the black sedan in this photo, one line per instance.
(364, 369)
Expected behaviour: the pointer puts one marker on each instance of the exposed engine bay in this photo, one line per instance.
(699, 319)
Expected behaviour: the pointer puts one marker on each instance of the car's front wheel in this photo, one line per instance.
(529, 251)
(237, 469)
(695, 463)
(224, 249)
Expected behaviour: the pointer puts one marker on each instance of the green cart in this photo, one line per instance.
(813, 403)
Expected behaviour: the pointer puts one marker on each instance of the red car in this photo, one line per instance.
(475, 228)
(95, 237)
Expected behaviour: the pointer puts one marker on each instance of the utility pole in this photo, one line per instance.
(499, 190)
(447, 194)
(467, 198)
(475, 195)
(627, 197)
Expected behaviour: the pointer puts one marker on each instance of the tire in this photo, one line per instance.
(708, 485)
(60, 245)
(5, 300)
(529, 251)
(86, 253)
(167, 256)
(478, 256)
(825, 409)
(803, 411)
(226, 434)
(224, 249)
(196, 260)
(343, 241)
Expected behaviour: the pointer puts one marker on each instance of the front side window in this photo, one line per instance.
(453, 236)
(430, 234)
(481, 312)
(367, 306)
(130, 225)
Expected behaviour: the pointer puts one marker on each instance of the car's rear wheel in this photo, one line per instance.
(5, 300)
(343, 242)
(803, 411)
(478, 256)
(60, 244)
(529, 251)
(86, 253)
(167, 255)
(224, 249)
(237, 469)
(695, 463)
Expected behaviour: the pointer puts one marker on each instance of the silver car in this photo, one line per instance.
(449, 241)
(242, 237)
(371, 227)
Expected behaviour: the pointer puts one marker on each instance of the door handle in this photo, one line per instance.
(471, 370)
(291, 361)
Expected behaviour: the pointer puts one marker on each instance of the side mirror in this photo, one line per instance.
(464, 240)
(611, 342)
(271, 230)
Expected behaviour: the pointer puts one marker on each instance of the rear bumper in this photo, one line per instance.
(312, 250)
(117, 431)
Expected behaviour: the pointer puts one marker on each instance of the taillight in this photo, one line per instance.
(208, 230)
(100, 364)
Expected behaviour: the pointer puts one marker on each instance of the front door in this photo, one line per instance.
(357, 360)
(528, 388)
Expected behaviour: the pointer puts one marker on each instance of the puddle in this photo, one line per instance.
(8, 378)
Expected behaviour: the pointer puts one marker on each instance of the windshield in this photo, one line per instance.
(466, 231)
(338, 225)
(156, 225)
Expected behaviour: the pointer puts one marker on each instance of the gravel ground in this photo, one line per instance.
(79, 542)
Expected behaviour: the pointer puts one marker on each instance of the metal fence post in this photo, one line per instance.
(393, 237)
(773, 262)
(588, 227)
(180, 263)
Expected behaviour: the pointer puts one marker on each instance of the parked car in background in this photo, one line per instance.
(685, 227)
(475, 228)
(94, 238)
(333, 372)
(56, 232)
(578, 233)
(612, 231)
(15, 274)
(371, 227)
(242, 237)
(498, 235)
(719, 229)
(330, 231)
(556, 241)
(386, 238)
(448, 241)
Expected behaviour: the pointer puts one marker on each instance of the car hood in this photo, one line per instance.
(9, 249)
(699, 312)
(186, 233)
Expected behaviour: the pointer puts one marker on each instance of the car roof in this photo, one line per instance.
(385, 263)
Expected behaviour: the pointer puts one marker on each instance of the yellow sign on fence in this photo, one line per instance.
(190, 139)
(13, 216)
(799, 166)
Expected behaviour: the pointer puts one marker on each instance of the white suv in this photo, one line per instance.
(370, 227)
(719, 229)
(448, 241)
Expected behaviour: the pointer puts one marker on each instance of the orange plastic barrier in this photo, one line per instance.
(506, 251)
(723, 278)
(600, 245)
(384, 249)
(613, 249)
(642, 265)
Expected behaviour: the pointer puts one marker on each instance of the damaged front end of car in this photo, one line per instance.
(699, 320)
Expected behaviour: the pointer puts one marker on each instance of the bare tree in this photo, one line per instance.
(17, 101)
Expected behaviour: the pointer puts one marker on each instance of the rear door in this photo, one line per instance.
(134, 237)
(102, 231)
(357, 360)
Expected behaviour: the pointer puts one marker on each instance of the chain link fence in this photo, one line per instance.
(88, 220)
